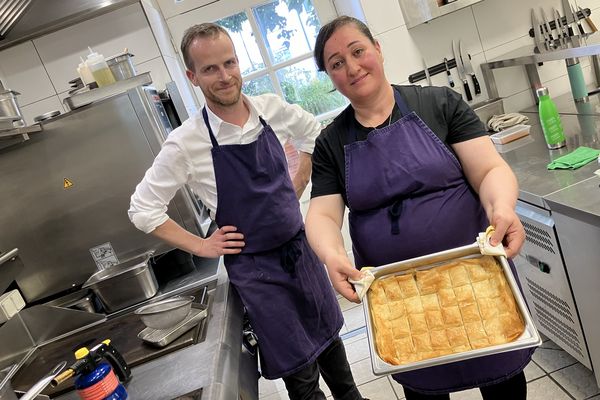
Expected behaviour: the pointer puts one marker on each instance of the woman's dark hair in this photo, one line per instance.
(329, 29)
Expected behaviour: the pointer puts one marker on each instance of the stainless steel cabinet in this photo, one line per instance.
(545, 283)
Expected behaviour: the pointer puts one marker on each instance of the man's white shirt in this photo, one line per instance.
(185, 157)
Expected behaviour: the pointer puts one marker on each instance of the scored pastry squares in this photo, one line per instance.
(439, 341)
(452, 316)
(391, 289)
(470, 312)
(418, 323)
(377, 294)
(400, 328)
(485, 288)
(457, 337)
(397, 309)
(487, 308)
(430, 302)
(408, 286)
(422, 342)
(413, 305)
(478, 269)
(464, 295)
(430, 281)
(447, 297)
(458, 274)
(456, 307)
(434, 319)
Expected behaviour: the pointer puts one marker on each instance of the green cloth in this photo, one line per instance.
(575, 159)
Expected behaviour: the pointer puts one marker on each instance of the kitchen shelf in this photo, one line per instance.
(527, 57)
(85, 98)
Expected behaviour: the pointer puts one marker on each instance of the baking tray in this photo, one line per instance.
(162, 337)
(529, 338)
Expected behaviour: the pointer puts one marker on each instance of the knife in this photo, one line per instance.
(427, 76)
(569, 15)
(538, 34)
(461, 71)
(559, 27)
(548, 30)
(576, 17)
(450, 80)
(466, 61)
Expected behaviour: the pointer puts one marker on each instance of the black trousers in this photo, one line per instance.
(514, 388)
(333, 365)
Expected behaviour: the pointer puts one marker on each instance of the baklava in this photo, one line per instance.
(455, 307)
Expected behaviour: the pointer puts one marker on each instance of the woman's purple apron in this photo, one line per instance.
(408, 197)
(285, 288)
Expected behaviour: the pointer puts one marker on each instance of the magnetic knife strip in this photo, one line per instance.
(433, 70)
(581, 14)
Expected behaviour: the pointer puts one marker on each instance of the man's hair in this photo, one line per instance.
(205, 30)
(329, 29)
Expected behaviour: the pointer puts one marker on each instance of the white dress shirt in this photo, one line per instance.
(185, 157)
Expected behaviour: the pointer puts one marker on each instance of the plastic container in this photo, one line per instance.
(85, 73)
(510, 134)
(550, 120)
(99, 68)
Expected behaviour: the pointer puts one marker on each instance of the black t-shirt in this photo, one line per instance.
(442, 109)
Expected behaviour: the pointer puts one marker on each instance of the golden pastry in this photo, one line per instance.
(451, 308)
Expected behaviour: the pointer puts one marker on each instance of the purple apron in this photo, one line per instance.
(408, 197)
(283, 285)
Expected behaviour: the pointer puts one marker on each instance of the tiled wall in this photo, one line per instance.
(488, 30)
(40, 69)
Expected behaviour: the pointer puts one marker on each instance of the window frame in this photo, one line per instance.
(325, 10)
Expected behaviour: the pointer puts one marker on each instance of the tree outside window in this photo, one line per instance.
(274, 42)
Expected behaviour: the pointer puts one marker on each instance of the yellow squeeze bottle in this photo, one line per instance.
(99, 68)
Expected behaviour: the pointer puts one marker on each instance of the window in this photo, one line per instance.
(274, 43)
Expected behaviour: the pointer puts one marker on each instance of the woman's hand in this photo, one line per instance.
(340, 269)
(223, 241)
(508, 231)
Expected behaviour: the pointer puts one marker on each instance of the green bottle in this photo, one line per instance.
(550, 120)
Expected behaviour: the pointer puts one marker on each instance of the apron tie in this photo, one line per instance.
(395, 211)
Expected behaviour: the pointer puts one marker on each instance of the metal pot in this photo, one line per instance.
(124, 284)
(121, 66)
(9, 106)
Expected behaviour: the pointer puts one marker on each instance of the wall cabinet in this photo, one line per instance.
(417, 12)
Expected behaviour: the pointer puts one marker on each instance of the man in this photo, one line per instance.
(232, 156)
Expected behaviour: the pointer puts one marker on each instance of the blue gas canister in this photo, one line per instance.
(95, 378)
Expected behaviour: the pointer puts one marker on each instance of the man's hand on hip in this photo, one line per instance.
(224, 240)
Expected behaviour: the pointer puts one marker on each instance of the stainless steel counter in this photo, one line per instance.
(213, 365)
(529, 161)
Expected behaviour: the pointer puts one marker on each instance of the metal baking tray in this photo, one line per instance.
(162, 337)
(529, 338)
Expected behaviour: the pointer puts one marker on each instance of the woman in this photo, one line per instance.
(425, 179)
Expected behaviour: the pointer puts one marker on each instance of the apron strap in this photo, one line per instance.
(404, 110)
(210, 131)
(262, 121)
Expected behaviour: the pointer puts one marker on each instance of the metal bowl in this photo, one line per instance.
(165, 313)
